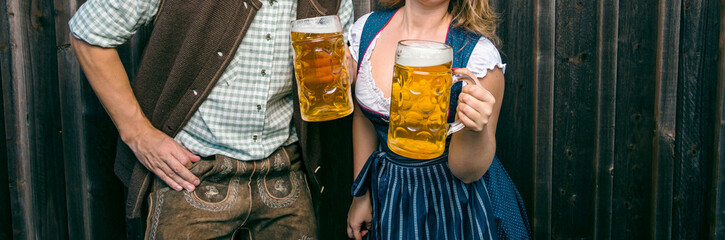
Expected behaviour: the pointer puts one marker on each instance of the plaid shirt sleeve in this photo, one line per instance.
(347, 18)
(109, 23)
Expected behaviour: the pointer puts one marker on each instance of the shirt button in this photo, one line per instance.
(271, 2)
(259, 107)
(263, 72)
(268, 36)
(254, 138)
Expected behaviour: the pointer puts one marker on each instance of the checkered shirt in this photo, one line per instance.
(248, 114)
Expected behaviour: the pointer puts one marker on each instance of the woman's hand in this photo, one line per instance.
(475, 103)
(360, 214)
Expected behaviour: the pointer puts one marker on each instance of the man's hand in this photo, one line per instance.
(154, 149)
(161, 155)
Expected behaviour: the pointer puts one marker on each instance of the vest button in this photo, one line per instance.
(220, 53)
(194, 92)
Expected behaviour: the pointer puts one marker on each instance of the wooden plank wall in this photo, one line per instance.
(61, 143)
(89, 139)
(612, 124)
(717, 221)
(610, 134)
(32, 120)
(6, 221)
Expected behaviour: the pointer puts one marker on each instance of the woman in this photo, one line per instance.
(448, 197)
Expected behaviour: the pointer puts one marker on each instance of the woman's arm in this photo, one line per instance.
(364, 144)
(473, 148)
(363, 138)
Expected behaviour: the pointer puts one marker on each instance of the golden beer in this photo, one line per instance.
(323, 85)
(420, 98)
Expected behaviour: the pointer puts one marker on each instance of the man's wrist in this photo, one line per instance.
(133, 130)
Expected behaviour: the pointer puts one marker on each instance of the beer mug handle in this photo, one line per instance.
(457, 125)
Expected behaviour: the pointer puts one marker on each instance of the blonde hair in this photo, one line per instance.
(475, 16)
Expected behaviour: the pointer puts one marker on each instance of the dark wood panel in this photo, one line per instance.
(543, 113)
(17, 170)
(635, 122)
(362, 7)
(76, 172)
(665, 113)
(33, 123)
(515, 130)
(76, 176)
(95, 202)
(718, 217)
(608, 17)
(574, 112)
(6, 220)
(335, 198)
(696, 90)
(105, 192)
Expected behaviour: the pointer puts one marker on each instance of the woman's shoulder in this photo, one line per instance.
(484, 57)
(360, 23)
(357, 28)
(379, 15)
(355, 35)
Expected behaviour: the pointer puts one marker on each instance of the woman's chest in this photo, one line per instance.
(382, 61)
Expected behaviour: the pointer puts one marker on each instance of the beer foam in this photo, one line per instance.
(423, 53)
(324, 24)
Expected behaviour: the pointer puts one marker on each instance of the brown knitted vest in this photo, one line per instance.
(191, 44)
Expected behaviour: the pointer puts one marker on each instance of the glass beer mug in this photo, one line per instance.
(420, 97)
(323, 85)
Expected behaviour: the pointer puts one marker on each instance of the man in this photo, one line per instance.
(209, 113)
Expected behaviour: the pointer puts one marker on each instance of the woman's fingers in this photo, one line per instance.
(465, 71)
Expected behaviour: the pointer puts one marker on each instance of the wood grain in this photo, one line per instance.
(544, 39)
(717, 218)
(575, 112)
(696, 95)
(33, 125)
(608, 19)
(515, 129)
(634, 122)
(668, 42)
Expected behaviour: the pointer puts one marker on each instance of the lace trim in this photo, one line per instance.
(366, 74)
(483, 71)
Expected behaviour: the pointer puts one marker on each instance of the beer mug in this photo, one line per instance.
(421, 89)
(323, 85)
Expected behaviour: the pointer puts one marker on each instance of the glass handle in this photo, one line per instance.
(458, 125)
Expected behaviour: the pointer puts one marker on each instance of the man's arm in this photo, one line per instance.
(347, 18)
(155, 150)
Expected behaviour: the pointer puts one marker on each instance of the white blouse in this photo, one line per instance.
(484, 57)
